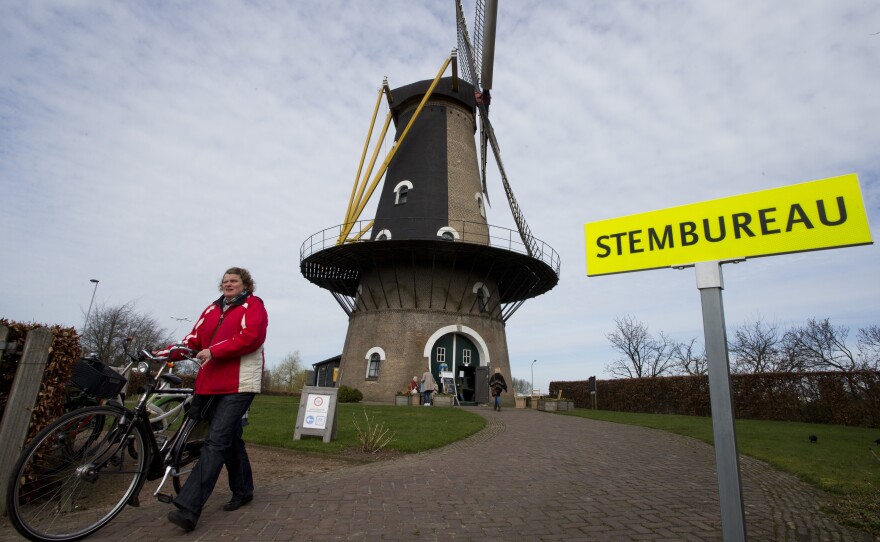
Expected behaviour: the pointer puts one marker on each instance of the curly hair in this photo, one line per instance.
(249, 284)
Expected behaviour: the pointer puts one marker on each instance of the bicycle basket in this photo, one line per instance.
(97, 379)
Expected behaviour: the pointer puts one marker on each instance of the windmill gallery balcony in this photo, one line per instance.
(484, 252)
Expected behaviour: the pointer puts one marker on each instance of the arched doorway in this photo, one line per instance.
(457, 353)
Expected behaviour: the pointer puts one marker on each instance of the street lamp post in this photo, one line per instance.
(532, 392)
(86, 325)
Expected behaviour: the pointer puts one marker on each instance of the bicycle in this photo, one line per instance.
(78, 473)
(93, 383)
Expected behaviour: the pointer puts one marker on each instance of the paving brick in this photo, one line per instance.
(528, 476)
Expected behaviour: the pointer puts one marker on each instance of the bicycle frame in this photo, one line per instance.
(139, 416)
(184, 400)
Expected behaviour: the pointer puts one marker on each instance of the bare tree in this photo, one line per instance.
(522, 387)
(869, 346)
(757, 348)
(689, 359)
(643, 354)
(109, 326)
(289, 375)
(266, 381)
(820, 346)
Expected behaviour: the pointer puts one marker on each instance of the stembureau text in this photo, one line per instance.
(687, 233)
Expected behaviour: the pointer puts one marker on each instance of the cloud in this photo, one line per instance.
(153, 145)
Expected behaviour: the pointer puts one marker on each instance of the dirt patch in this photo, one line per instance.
(274, 464)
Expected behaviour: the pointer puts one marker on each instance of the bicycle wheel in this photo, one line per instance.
(77, 474)
(188, 449)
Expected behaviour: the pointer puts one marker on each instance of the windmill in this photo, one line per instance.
(429, 284)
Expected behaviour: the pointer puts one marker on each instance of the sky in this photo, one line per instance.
(152, 145)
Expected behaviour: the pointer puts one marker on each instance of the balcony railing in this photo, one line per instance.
(469, 232)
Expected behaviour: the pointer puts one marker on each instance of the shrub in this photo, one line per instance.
(372, 438)
(349, 395)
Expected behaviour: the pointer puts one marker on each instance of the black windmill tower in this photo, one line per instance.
(429, 283)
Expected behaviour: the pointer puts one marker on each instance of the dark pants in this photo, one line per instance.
(223, 446)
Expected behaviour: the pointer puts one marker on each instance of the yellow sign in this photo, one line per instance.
(828, 213)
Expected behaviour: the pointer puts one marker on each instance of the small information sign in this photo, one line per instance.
(317, 413)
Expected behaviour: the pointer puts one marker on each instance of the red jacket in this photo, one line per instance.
(235, 339)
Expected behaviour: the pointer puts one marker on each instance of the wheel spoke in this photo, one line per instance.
(77, 474)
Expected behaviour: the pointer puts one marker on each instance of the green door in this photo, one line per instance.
(460, 356)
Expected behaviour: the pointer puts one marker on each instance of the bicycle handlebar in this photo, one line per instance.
(188, 354)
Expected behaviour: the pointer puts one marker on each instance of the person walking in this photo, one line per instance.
(229, 337)
(429, 385)
(497, 385)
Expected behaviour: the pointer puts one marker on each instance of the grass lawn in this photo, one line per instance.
(273, 419)
(844, 461)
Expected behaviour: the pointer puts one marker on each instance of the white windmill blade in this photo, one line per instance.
(487, 133)
(471, 72)
(487, 47)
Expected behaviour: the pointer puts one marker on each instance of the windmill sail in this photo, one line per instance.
(469, 72)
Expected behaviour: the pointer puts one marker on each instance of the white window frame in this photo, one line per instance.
(386, 233)
(441, 355)
(397, 189)
(479, 198)
(447, 229)
(369, 359)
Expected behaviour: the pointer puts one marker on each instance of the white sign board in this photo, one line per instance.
(317, 413)
(317, 407)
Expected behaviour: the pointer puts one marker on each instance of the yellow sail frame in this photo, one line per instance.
(358, 200)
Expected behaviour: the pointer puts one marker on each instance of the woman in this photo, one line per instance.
(229, 337)
(414, 386)
(428, 387)
(497, 385)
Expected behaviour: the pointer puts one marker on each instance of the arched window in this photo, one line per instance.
(373, 368)
(374, 358)
(482, 296)
(448, 234)
(383, 235)
(479, 198)
(401, 191)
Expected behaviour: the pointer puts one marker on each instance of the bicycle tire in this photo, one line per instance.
(54, 495)
(187, 450)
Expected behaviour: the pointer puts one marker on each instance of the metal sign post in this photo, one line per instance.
(816, 215)
(710, 284)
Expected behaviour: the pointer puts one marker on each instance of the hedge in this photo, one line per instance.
(65, 351)
(842, 398)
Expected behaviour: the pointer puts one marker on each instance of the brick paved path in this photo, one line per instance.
(528, 476)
